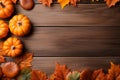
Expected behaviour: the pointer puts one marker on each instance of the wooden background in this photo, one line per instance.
(86, 36)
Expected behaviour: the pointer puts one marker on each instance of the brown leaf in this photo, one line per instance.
(60, 72)
(24, 60)
(1, 50)
(114, 71)
(99, 75)
(86, 74)
(46, 2)
(38, 75)
(111, 3)
(2, 59)
(14, 1)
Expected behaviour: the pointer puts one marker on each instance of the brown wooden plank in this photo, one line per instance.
(47, 64)
(73, 41)
(83, 15)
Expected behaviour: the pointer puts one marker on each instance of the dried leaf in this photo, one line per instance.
(46, 2)
(114, 71)
(111, 3)
(1, 50)
(25, 74)
(2, 59)
(74, 75)
(86, 74)
(24, 60)
(14, 1)
(99, 75)
(73, 2)
(38, 75)
(60, 72)
(63, 3)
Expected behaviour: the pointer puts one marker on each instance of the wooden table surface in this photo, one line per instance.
(86, 36)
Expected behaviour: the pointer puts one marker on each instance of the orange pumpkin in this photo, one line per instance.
(12, 47)
(6, 8)
(3, 29)
(20, 25)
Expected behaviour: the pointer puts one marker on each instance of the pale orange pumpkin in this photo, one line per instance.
(12, 47)
(20, 25)
(6, 8)
(4, 29)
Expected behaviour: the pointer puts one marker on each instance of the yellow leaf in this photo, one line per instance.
(63, 3)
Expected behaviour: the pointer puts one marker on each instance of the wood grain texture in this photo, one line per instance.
(73, 41)
(83, 15)
(47, 64)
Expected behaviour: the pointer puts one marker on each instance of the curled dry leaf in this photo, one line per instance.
(24, 60)
(111, 3)
(60, 72)
(38, 75)
(2, 59)
(46, 2)
(27, 4)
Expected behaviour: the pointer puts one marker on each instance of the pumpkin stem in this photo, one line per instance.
(19, 23)
(13, 47)
(2, 5)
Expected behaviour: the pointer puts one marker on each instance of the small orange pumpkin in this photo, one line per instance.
(6, 8)
(3, 29)
(12, 47)
(20, 25)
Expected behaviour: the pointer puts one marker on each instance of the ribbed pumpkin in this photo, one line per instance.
(6, 8)
(20, 25)
(12, 47)
(3, 29)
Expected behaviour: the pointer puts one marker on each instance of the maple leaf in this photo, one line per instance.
(2, 59)
(38, 75)
(46, 2)
(114, 71)
(24, 60)
(25, 74)
(60, 72)
(73, 2)
(14, 1)
(111, 3)
(99, 75)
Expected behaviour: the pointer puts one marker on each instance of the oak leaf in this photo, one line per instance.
(114, 71)
(38, 75)
(60, 72)
(24, 60)
(46, 2)
(14, 1)
(111, 3)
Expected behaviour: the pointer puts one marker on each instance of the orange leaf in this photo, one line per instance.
(111, 3)
(24, 60)
(73, 2)
(46, 2)
(114, 71)
(2, 59)
(60, 72)
(38, 75)
(1, 50)
(63, 3)
(14, 1)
